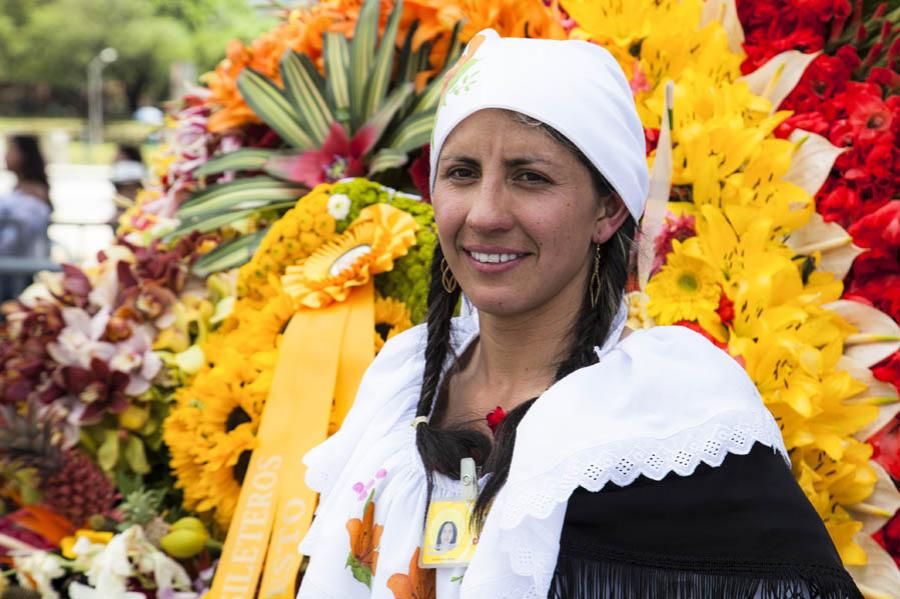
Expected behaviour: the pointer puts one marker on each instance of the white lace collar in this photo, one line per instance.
(661, 400)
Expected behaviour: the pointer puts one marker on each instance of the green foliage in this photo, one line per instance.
(51, 41)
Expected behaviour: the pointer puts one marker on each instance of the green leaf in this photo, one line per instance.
(414, 132)
(407, 61)
(381, 119)
(135, 455)
(361, 52)
(256, 190)
(337, 61)
(384, 62)
(304, 86)
(429, 98)
(108, 454)
(229, 255)
(360, 572)
(208, 222)
(385, 159)
(245, 159)
(269, 104)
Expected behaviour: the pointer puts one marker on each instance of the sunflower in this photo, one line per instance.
(392, 317)
(686, 288)
(225, 469)
(369, 246)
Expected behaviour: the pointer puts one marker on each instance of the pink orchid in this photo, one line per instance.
(338, 158)
(79, 342)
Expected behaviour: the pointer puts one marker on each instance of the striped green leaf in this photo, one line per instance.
(384, 62)
(386, 158)
(269, 104)
(381, 119)
(406, 62)
(252, 192)
(303, 87)
(429, 98)
(362, 50)
(414, 132)
(205, 223)
(229, 255)
(337, 67)
(245, 159)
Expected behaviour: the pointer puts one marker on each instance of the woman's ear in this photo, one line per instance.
(612, 214)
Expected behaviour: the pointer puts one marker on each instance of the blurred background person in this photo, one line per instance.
(25, 211)
(127, 171)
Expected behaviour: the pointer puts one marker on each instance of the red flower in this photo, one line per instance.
(888, 371)
(889, 537)
(725, 310)
(495, 418)
(879, 229)
(339, 157)
(674, 227)
(420, 173)
(841, 205)
(869, 115)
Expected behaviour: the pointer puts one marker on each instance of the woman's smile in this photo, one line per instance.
(492, 259)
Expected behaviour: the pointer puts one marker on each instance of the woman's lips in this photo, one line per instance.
(494, 260)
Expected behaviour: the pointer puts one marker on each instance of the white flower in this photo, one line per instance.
(339, 206)
(79, 341)
(126, 555)
(36, 572)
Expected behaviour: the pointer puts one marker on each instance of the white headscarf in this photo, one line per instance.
(575, 87)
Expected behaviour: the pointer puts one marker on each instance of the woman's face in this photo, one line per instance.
(13, 156)
(517, 215)
(446, 535)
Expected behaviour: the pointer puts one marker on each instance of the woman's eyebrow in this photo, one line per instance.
(526, 160)
(461, 158)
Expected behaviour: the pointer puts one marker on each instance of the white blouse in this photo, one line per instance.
(662, 400)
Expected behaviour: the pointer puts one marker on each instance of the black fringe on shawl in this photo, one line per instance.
(591, 578)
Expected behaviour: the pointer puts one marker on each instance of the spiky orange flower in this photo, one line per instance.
(304, 29)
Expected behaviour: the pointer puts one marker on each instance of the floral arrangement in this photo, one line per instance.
(732, 259)
(849, 95)
(140, 381)
(212, 428)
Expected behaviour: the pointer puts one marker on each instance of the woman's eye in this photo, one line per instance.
(460, 172)
(531, 177)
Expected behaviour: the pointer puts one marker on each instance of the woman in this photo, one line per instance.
(446, 537)
(25, 211)
(629, 464)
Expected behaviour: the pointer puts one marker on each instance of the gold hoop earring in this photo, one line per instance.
(595, 278)
(447, 278)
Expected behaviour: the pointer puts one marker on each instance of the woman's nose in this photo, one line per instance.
(489, 208)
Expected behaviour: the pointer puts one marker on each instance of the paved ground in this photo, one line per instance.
(82, 204)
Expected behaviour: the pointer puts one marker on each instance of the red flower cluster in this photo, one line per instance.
(850, 95)
(775, 26)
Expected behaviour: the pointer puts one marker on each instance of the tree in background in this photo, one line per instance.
(47, 44)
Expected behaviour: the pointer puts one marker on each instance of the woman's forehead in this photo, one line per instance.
(497, 132)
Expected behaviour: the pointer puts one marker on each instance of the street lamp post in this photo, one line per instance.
(95, 96)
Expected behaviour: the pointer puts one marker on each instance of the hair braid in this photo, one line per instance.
(442, 449)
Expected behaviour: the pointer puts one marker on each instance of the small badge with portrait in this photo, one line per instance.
(449, 540)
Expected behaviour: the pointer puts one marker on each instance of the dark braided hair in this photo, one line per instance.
(441, 449)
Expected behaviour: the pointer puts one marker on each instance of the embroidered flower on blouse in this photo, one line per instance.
(362, 489)
(495, 418)
(417, 584)
(365, 539)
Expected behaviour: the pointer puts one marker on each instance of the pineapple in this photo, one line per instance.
(70, 483)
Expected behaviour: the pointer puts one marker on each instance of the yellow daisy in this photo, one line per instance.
(686, 288)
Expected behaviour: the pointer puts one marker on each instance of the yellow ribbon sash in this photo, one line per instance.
(322, 358)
